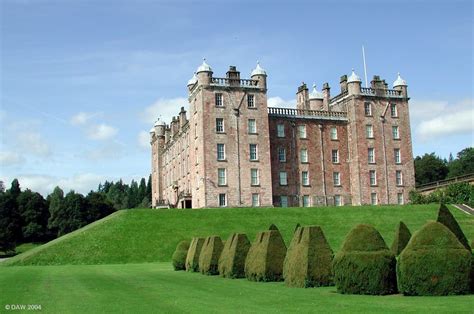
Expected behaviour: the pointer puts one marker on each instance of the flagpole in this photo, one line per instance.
(365, 67)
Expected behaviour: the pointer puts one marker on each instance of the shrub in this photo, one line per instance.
(290, 249)
(273, 227)
(209, 257)
(179, 255)
(402, 236)
(446, 218)
(434, 263)
(365, 265)
(234, 253)
(265, 258)
(192, 259)
(309, 263)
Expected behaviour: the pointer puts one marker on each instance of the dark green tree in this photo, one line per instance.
(98, 206)
(15, 188)
(148, 188)
(463, 164)
(429, 168)
(132, 193)
(10, 223)
(142, 190)
(34, 212)
(56, 209)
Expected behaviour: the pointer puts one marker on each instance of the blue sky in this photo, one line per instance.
(82, 81)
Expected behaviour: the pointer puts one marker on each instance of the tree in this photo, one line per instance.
(2, 186)
(132, 193)
(429, 168)
(10, 222)
(34, 212)
(56, 205)
(142, 190)
(15, 188)
(148, 188)
(463, 164)
(98, 206)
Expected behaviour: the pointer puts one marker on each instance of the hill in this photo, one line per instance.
(150, 235)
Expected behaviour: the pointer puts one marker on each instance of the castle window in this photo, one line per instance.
(255, 200)
(393, 110)
(336, 178)
(253, 152)
(306, 201)
(395, 132)
(396, 153)
(304, 178)
(254, 180)
(252, 126)
(280, 130)
(221, 176)
(284, 201)
(283, 178)
(399, 177)
(368, 109)
(371, 155)
(222, 200)
(302, 131)
(373, 198)
(337, 200)
(219, 102)
(400, 198)
(304, 155)
(282, 154)
(220, 125)
(335, 156)
(369, 131)
(373, 177)
(333, 133)
(251, 101)
(220, 152)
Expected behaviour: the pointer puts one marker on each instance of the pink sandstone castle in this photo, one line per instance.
(231, 150)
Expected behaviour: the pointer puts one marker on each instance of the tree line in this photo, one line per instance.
(26, 216)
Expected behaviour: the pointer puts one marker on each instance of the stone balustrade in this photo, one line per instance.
(223, 81)
(307, 114)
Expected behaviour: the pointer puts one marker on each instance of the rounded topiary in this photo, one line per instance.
(209, 257)
(402, 236)
(192, 258)
(309, 262)
(434, 263)
(291, 247)
(179, 255)
(365, 265)
(234, 253)
(446, 218)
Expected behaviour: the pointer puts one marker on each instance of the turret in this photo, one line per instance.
(302, 97)
(326, 96)
(192, 82)
(316, 99)
(260, 75)
(204, 73)
(401, 85)
(353, 84)
(159, 128)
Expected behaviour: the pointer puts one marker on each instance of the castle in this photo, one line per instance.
(231, 150)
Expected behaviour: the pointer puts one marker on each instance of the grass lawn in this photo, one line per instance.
(150, 235)
(156, 288)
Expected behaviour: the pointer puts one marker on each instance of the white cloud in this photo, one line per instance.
(33, 143)
(11, 159)
(281, 103)
(101, 132)
(143, 139)
(164, 108)
(109, 150)
(82, 118)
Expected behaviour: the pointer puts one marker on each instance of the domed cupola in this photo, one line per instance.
(204, 67)
(258, 70)
(160, 122)
(353, 78)
(193, 80)
(399, 81)
(315, 94)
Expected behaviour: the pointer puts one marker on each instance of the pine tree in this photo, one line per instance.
(56, 205)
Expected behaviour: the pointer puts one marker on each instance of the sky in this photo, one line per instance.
(81, 82)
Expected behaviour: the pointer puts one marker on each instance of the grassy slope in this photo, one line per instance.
(155, 288)
(145, 235)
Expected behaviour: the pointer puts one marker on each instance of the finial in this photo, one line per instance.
(258, 62)
(203, 59)
(314, 84)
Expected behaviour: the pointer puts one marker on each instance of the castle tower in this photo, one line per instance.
(316, 99)
(157, 141)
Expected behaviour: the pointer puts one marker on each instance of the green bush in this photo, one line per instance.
(455, 193)
(273, 227)
(434, 263)
(209, 257)
(365, 265)
(264, 261)
(192, 259)
(179, 255)
(402, 236)
(290, 249)
(446, 218)
(234, 253)
(309, 262)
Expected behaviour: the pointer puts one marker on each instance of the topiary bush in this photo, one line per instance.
(309, 262)
(290, 249)
(265, 258)
(402, 236)
(365, 265)
(234, 253)
(434, 263)
(179, 255)
(446, 218)
(192, 259)
(209, 257)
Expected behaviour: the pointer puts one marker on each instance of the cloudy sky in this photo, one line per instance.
(82, 81)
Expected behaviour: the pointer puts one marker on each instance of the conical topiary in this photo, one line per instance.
(273, 227)
(192, 258)
(402, 236)
(264, 261)
(296, 227)
(309, 263)
(209, 257)
(289, 251)
(446, 218)
(179, 255)
(434, 263)
(365, 265)
(234, 253)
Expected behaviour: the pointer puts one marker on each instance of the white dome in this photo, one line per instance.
(159, 122)
(315, 94)
(152, 130)
(258, 70)
(353, 78)
(204, 67)
(193, 80)
(399, 81)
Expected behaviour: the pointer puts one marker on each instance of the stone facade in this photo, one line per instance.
(231, 150)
